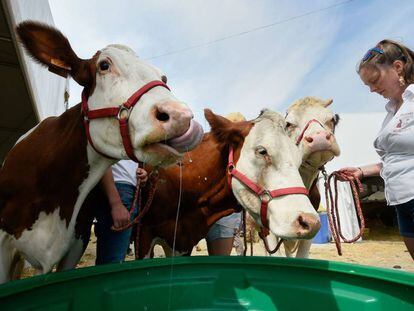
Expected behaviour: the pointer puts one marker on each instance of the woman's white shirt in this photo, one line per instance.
(395, 146)
(124, 171)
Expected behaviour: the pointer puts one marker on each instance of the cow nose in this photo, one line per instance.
(174, 117)
(321, 140)
(307, 225)
(309, 139)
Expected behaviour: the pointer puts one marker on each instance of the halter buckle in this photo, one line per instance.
(264, 194)
(123, 113)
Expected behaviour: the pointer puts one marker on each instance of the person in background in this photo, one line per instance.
(220, 237)
(388, 70)
(119, 184)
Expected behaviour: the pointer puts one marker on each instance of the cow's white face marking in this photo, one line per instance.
(270, 158)
(120, 73)
(298, 116)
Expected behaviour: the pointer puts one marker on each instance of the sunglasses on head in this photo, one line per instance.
(370, 53)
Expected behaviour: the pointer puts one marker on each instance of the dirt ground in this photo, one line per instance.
(383, 248)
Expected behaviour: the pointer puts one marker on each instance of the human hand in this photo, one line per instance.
(350, 173)
(142, 175)
(120, 215)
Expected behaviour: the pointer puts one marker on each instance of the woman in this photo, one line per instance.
(388, 69)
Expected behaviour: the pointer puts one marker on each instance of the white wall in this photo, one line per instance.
(46, 88)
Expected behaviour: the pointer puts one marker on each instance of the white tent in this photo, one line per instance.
(355, 134)
(30, 93)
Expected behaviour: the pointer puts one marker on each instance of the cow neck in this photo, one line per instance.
(215, 192)
(121, 113)
(309, 174)
(57, 165)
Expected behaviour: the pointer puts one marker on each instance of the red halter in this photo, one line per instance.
(121, 112)
(264, 195)
(305, 128)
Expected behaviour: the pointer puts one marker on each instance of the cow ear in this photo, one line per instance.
(328, 102)
(51, 48)
(226, 131)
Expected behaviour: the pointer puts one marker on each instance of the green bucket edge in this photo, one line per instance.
(394, 276)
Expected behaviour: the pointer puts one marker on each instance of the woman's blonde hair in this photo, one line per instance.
(386, 52)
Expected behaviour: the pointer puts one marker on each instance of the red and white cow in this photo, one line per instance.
(311, 125)
(262, 152)
(49, 172)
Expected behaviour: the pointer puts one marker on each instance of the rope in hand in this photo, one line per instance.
(153, 178)
(332, 206)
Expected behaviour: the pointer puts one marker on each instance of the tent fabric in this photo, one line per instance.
(46, 88)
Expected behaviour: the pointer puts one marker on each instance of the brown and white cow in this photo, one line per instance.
(49, 172)
(263, 152)
(311, 125)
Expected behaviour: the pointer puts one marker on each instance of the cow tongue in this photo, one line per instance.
(189, 140)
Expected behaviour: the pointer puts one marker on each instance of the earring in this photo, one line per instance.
(401, 80)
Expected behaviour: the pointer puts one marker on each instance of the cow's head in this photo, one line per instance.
(312, 125)
(269, 158)
(160, 126)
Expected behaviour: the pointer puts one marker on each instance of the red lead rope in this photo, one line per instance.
(332, 207)
(153, 179)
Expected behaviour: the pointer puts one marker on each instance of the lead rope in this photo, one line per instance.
(332, 207)
(245, 233)
(153, 178)
(263, 234)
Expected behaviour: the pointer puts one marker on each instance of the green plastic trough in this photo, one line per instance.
(215, 283)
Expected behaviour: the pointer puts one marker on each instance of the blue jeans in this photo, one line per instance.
(405, 216)
(111, 246)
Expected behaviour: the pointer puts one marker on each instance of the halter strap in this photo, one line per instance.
(305, 128)
(121, 113)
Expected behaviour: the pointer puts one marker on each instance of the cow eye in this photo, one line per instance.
(289, 125)
(164, 79)
(261, 150)
(104, 65)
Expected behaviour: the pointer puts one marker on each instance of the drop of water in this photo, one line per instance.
(189, 156)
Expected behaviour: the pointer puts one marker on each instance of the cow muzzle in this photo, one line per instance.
(307, 225)
(180, 131)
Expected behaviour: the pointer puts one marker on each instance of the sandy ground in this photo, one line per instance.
(386, 250)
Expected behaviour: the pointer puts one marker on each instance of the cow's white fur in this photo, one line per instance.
(126, 75)
(277, 170)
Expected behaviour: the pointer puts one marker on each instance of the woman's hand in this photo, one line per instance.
(350, 173)
(120, 215)
(142, 175)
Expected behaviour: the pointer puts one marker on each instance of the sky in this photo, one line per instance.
(241, 55)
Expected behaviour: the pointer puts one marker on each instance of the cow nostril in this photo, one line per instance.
(328, 136)
(162, 116)
(303, 223)
(309, 139)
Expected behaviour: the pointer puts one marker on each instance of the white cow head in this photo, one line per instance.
(269, 158)
(316, 142)
(160, 126)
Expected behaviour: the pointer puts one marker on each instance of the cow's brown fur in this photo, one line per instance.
(42, 177)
